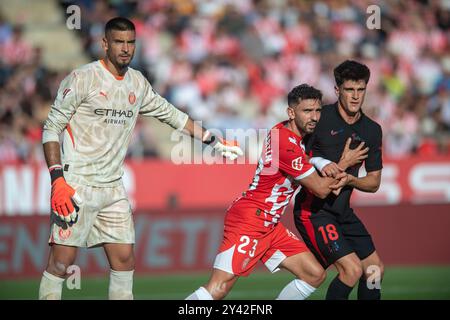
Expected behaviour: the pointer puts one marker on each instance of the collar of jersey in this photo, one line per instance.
(109, 71)
(282, 125)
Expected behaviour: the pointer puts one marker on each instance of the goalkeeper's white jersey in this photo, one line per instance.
(96, 112)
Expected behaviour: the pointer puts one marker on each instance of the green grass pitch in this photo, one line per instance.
(425, 282)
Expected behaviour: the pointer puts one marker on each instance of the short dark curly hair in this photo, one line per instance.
(351, 70)
(303, 92)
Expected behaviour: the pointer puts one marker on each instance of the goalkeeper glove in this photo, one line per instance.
(227, 149)
(63, 196)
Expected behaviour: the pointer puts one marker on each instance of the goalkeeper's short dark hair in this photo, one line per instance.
(351, 70)
(303, 92)
(120, 24)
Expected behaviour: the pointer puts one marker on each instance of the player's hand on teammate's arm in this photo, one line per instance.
(350, 157)
(64, 198)
(227, 149)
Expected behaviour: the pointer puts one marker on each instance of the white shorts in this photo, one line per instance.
(104, 217)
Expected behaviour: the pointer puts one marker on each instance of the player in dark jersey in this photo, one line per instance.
(329, 226)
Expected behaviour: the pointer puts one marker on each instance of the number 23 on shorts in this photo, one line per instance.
(244, 246)
(329, 232)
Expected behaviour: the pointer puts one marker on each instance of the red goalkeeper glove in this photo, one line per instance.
(63, 197)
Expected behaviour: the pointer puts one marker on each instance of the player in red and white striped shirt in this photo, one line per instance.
(252, 229)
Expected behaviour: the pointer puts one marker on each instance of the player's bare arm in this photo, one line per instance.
(52, 153)
(322, 186)
(369, 183)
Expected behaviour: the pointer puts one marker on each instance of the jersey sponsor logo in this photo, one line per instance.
(131, 98)
(114, 113)
(115, 116)
(65, 92)
(293, 140)
(297, 164)
(335, 132)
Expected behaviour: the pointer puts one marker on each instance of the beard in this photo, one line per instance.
(310, 127)
(117, 61)
(122, 65)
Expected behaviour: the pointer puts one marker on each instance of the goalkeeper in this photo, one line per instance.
(96, 110)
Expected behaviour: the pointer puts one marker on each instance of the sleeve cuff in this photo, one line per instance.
(319, 162)
(49, 136)
(182, 120)
(305, 174)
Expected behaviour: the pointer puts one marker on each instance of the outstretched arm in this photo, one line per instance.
(228, 149)
(156, 106)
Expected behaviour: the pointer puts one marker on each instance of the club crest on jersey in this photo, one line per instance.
(297, 164)
(64, 234)
(293, 140)
(131, 98)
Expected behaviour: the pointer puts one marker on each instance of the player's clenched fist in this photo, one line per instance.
(63, 197)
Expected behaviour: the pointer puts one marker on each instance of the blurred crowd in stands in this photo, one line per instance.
(232, 62)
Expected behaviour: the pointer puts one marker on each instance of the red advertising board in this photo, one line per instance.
(187, 240)
(25, 189)
(179, 215)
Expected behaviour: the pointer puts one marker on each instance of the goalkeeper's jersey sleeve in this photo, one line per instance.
(95, 112)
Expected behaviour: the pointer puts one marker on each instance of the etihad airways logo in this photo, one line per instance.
(116, 116)
(114, 113)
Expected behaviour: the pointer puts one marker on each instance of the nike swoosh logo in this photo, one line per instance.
(335, 132)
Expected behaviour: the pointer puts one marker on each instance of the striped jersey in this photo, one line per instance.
(282, 164)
